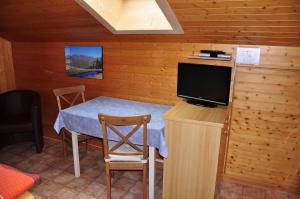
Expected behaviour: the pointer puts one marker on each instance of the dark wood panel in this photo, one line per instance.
(220, 21)
(7, 75)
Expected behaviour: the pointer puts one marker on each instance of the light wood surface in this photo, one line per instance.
(268, 22)
(265, 101)
(196, 114)
(134, 17)
(264, 135)
(190, 171)
(7, 75)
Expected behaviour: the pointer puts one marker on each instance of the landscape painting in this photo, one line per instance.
(84, 61)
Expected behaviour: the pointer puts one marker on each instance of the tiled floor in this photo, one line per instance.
(58, 179)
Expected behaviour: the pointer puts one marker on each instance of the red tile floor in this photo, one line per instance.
(58, 181)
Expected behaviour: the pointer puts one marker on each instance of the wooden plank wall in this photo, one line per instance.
(7, 76)
(267, 22)
(265, 130)
(264, 139)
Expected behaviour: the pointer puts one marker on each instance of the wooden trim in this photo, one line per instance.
(169, 14)
(245, 181)
(90, 10)
(162, 4)
(7, 73)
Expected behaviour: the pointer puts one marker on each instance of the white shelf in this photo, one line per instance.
(209, 58)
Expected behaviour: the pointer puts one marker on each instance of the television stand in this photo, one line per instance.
(202, 103)
(197, 136)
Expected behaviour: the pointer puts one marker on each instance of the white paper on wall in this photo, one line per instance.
(248, 56)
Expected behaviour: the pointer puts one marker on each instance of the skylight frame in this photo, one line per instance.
(175, 27)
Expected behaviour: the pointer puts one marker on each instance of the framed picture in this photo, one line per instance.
(84, 61)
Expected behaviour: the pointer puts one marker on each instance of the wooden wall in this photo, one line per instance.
(7, 76)
(264, 139)
(267, 22)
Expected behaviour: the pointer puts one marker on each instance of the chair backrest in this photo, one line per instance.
(137, 121)
(73, 92)
(18, 102)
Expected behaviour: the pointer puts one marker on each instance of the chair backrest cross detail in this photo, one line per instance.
(61, 94)
(111, 122)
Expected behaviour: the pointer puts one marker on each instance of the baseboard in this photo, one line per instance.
(227, 177)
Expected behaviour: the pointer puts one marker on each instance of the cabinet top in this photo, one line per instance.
(196, 114)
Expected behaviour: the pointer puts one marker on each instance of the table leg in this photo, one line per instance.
(151, 171)
(75, 154)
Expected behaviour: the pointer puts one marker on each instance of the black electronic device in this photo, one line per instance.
(205, 85)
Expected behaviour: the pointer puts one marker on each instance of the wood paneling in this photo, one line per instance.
(268, 22)
(7, 75)
(264, 138)
(264, 141)
(193, 136)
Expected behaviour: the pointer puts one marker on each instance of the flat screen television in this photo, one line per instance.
(205, 85)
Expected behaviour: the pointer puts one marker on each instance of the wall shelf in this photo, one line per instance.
(209, 58)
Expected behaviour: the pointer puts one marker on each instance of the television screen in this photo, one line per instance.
(204, 83)
(84, 61)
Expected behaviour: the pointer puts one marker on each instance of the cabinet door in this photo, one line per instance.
(191, 167)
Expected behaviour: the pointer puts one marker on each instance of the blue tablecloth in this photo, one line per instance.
(83, 118)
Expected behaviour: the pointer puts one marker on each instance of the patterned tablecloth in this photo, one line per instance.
(83, 118)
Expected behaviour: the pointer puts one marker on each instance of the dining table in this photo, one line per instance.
(83, 119)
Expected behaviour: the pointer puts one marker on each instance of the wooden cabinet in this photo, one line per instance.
(194, 138)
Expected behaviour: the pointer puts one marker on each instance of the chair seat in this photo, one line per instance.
(127, 149)
(15, 124)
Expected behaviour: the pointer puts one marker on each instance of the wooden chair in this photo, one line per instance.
(65, 94)
(123, 154)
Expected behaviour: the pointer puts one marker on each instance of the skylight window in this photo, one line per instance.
(134, 16)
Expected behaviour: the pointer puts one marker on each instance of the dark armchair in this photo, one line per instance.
(20, 118)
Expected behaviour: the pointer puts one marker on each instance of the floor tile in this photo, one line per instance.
(79, 184)
(227, 194)
(232, 187)
(48, 189)
(64, 178)
(124, 183)
(62, 163)
(58, 180)
(253, 193)
(102, 178)
(10, 158)
(278, 194)
(137, 188)
(130, 195)
(82, 195)
(65, 193)
(51, 173)
(91, 174)
(134, 175)
(95, 189)
(37, 168)
(117, 193)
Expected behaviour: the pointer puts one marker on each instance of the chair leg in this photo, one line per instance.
(108, 185)
(145, 178)
(86, 144)
(64, 145)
